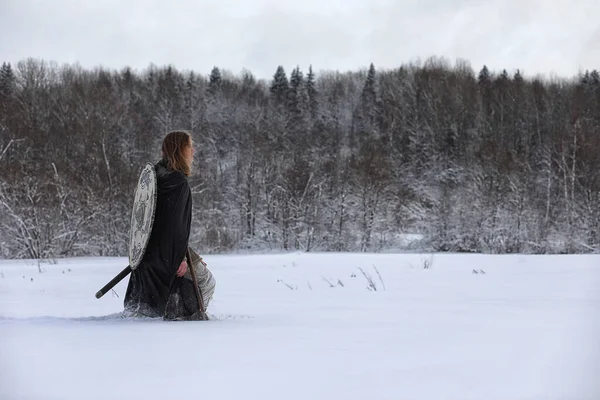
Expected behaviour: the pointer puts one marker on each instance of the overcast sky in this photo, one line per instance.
(550, 37)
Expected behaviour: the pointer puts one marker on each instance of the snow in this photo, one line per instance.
(526, 329)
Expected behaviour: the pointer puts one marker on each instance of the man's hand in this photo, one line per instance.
(182, 269)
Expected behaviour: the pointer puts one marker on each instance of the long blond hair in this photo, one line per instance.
(172, 150)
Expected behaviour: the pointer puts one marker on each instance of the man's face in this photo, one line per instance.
(188, 152)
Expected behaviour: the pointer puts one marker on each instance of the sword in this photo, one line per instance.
(128, 270)
(114, 281)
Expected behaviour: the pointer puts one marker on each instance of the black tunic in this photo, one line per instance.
(154, 289)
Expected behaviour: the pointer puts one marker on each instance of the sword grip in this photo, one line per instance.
(113, 282)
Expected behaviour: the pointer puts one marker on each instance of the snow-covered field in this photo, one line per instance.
(526, 329)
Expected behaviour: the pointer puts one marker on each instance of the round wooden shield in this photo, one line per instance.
(142, 215)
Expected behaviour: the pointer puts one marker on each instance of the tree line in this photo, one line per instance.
(426, 157)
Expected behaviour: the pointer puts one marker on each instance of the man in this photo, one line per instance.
(161, 286)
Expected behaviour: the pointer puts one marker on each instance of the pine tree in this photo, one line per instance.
(215, 81)
(7, 80)
(594, 89)
(485, 90)
(519, 115)
(518, 78)
(280, 86)
(296, 79)
(484, 76)
(365, 116)
(311, 91)
(7, 87)
(294, 94)
(585, 79)
(369, 93)
(501, 104)
(595, 78)
(485, 83)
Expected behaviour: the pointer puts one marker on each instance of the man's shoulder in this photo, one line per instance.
(170, 178)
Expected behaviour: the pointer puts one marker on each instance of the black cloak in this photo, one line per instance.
(154, 290)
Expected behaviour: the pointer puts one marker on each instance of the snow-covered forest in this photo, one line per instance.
(463, 160)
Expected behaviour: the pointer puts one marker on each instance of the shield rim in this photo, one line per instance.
(150, 166)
